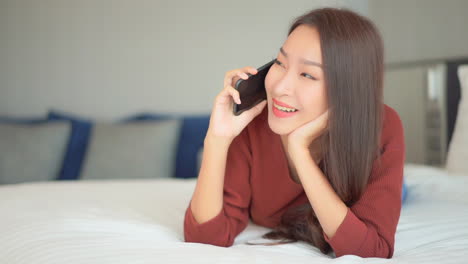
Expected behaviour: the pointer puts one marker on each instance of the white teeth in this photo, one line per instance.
(284, 109)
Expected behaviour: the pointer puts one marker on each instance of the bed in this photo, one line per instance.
(141, 221)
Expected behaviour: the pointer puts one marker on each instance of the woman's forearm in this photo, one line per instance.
(207, 199)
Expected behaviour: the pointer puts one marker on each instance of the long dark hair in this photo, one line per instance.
(352, 52)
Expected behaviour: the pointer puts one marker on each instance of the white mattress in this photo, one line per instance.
(141, 221)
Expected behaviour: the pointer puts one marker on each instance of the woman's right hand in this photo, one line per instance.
(223, 123)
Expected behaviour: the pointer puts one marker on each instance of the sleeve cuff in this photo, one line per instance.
(349, 236)
(193, 222)
(207, 232)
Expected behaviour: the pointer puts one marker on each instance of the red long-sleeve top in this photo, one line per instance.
(258, 186)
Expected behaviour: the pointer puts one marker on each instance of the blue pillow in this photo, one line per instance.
(77, 145)
(191, 140)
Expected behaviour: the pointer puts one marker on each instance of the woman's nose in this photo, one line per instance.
(285, 83)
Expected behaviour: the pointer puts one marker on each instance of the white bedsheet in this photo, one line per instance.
(141, 221)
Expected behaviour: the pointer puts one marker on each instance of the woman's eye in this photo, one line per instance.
(276, 61)
(309, 76)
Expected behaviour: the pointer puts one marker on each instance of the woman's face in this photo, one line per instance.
(297, 80)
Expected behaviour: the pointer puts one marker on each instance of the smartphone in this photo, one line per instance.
(252, 91)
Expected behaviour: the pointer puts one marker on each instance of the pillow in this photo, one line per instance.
(458, 149)
(32, 150)
(192, 137)
(132, 150)
(189, 144)
(76, 146)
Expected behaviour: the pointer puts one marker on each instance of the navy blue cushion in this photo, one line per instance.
(192, 137)
(77, 144)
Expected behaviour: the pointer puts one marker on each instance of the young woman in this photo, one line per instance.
(321, 160)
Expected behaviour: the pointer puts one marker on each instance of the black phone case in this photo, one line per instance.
(252, 91)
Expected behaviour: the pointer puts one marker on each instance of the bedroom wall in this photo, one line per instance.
(106, 59)
(421, 29)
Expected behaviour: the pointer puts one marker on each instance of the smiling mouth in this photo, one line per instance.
(284, 109)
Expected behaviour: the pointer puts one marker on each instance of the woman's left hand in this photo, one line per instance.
(302, 137)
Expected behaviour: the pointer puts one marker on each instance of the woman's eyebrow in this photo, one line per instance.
(304, 61)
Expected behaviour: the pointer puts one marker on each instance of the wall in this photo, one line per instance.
(110, 58)
(421, 29)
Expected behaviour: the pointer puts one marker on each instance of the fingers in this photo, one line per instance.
(324, 116)
(234, 94)
(240, 73)
(227, 93)
(231, 77)
(319, 123)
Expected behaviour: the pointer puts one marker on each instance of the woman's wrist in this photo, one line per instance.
(218, 141)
